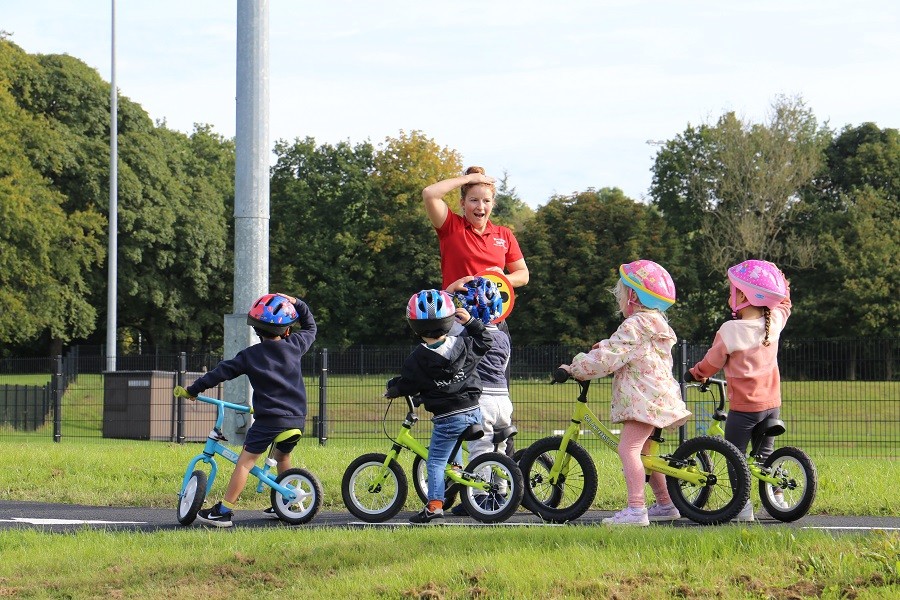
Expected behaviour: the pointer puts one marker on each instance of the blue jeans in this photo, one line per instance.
(443, 437)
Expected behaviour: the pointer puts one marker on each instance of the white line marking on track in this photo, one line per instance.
(872, 528)
(450, 524)
(68, 521)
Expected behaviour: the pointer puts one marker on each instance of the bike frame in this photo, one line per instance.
(405, 440)
(214, 447)
(652, 461)
(715, 428)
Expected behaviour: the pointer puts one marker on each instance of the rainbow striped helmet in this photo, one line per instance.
(652, 283)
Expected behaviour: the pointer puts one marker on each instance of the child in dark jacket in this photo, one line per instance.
(279, 395)
(441, 372)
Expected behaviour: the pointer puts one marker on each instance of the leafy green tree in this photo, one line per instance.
(321, 213)
(736, 190)
(574, 246)
(45, 249)
(509, 209)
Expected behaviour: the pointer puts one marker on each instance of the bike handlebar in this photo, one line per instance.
(237, 407)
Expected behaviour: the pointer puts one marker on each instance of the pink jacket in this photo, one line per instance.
(751, 369)
(639, 354)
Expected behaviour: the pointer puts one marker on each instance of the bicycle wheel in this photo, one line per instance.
(727, 486)
(798, 481)
(191, 498)
(507, 488)
(369, 492)
(544, 464)
(420, 483)
(572, 494)
(308, 501)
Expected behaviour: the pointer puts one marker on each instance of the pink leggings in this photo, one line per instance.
(635, 437)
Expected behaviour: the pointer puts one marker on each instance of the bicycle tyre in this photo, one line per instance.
(555, 495)
(496, 506)
(573, 495)
(308, 501)
(381, 504)
(800, 482)
(725, 495)
(191, 498)
(420, 483)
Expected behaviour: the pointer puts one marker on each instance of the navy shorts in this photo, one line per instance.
(260, 437)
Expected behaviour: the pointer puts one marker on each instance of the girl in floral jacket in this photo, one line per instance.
(645, 395)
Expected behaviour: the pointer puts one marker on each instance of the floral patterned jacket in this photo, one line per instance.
(639, 355)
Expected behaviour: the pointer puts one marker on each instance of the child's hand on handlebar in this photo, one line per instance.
(180, 392)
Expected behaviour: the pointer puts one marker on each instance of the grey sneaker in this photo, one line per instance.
(629, 516)
(663, 513)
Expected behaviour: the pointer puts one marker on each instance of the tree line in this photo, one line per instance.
(348, 232)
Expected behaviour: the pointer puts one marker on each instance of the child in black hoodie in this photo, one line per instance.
(441, 372)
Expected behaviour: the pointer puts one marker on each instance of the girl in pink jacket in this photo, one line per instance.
(747, 348)
(645, 395)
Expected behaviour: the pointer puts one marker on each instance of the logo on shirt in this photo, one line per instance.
(500, 242)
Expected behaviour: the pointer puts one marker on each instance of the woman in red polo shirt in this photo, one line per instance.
(470, 243)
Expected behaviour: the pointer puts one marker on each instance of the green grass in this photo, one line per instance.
(133, 473)
(451, 563)
(432, 562)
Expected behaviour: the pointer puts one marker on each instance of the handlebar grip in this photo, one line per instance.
(560, 375)
(688, 377)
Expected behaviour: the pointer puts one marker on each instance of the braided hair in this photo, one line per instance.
(768, 314)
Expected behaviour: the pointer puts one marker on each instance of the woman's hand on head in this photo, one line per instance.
(475, 178)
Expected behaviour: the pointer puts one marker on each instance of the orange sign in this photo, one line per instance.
(507, 294)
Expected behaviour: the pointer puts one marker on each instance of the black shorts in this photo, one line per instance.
(260, 437)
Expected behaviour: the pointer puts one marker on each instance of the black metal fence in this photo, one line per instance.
(840, 397)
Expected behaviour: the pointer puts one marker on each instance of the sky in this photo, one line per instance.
(560, 96)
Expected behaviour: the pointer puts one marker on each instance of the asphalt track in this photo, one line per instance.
(62, 518)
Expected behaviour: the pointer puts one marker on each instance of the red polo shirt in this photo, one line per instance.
(466, 252)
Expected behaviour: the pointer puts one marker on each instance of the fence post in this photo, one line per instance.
(55, 384)
(682, 431)
(323, 399)
(181, 377)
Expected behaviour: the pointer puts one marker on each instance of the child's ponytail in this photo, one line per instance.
(768, 314)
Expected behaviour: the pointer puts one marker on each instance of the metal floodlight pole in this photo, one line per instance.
(112, 258)
(251, 194)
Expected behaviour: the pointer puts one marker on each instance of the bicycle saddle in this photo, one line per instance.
(504, 434)
(472, 432)
(769, 427)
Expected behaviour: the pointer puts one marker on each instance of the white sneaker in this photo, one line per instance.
(778, 500)
(746, 514)
(663, 513)
(629, 516)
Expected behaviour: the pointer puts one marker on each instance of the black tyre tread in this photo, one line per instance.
(809, 493)
(400, 480)
(735, 461)
(316, 486)
(199, 497)
(550, 511)
(516, 491)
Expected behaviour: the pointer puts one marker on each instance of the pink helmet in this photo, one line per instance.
(652, 283)
(761, 281)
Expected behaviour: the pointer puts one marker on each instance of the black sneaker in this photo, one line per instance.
(459, 511)
(270, 512)
(215, 517)
(426, 516)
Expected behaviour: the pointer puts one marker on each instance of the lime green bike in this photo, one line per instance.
(787, 477)
(374, 487)
(704, 467)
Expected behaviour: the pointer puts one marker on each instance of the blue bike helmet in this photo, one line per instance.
(430, 313)
(481, 299)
